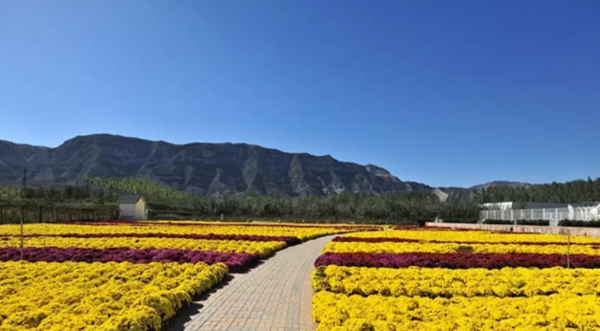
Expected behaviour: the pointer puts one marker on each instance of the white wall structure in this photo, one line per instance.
(498, 205)
(132, 207)
(588, 211)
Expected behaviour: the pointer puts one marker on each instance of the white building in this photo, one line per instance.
(591, 209)
(554, 212)
(132, 207)
(527, 205)
(498, 205)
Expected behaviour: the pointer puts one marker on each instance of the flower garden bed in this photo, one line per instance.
(430, 279)
(123, 275)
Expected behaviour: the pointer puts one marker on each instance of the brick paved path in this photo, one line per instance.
(275, 296)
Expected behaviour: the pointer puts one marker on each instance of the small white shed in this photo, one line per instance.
(132, 207)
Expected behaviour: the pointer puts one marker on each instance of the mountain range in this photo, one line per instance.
(204, 168)
(500, 183)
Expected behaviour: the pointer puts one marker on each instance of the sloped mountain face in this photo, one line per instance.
(200, 168)
(499, 183)
(14, 157)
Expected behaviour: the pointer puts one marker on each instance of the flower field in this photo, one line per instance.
(126, 275)
(503, 248)
(420, 279)
(98, 296)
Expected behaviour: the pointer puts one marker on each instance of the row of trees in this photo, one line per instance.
(402, 208)
(48, 195)
(152, 191)
(43, 204)
(96, 199)
(570, 192)
(395, 208)
(39, 213)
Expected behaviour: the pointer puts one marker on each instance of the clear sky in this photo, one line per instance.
(450, 93)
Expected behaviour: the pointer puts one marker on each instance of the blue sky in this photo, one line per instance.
(450, 93)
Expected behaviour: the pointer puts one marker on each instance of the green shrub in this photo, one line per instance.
(460, 220)
(519, 222)
(584, 224)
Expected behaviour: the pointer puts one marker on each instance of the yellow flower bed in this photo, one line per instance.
(470, 236)
(388, 247)
(338, 312)
(434, 282)
(264, 249)
(414, 298)
(72, 296)
(54, 229)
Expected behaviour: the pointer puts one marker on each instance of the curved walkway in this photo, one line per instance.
(275, 296)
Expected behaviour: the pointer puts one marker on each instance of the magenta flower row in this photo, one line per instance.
(405, 240)
(457, 260)
(237, 262)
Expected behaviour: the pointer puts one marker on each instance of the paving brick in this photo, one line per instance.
(275, 296)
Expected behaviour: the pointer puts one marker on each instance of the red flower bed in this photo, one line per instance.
(236, 262)
(290, 241)
(457, 260)
(405, 240)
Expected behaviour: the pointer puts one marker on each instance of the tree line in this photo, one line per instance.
(569, 192)
(50, 204)
(69, 193)
(96, 198)
(400, 208)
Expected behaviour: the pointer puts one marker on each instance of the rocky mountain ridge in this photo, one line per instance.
(207, 168)
(199, 168)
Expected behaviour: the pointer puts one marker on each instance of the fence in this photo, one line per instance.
(46, 214)
(554, 215)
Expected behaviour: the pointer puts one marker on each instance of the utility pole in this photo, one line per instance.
(569, 249)
(24, 182)
(23, 188)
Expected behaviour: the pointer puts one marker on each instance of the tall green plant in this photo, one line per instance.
(392, 208)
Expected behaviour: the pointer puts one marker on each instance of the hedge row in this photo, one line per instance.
(519, 222)
(584, 224)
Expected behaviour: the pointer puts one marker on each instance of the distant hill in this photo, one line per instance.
(499, 183)
(199, 168)
(210, 169)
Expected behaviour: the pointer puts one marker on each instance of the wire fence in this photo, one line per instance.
(12, 214)
(554, 215)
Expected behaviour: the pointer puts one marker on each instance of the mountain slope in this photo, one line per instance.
(200, 168)
(499, 183)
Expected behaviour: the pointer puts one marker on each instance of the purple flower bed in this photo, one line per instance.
(271, 225)
(404, 240)
(457, 260)
(290, 241)
(237, 262)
